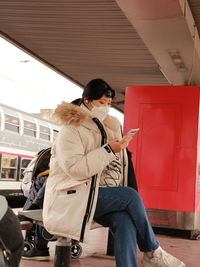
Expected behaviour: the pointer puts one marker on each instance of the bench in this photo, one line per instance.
(63, 245)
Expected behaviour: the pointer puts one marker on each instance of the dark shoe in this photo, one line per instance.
(36, 254)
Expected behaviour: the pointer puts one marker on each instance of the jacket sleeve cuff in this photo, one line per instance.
(108, 148)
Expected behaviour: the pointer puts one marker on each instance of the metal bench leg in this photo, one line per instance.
(62, 253)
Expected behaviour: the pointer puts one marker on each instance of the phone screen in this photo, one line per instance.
(132, 132)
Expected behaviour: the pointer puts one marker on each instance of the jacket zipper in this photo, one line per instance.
(89, 206)
(93, 183)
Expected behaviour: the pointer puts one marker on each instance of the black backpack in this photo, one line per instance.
(42, 163)
(39, 177)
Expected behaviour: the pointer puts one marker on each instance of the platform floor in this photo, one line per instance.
(182, 247)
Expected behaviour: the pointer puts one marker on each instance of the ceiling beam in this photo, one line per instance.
(164, 28)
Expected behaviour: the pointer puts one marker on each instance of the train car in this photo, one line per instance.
(21, 136)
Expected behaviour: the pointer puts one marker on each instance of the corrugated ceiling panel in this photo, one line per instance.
(82, 39)
(195, 8)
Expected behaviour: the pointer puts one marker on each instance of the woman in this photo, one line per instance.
(88, 178)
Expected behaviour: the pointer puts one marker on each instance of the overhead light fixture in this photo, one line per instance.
(24, 61)
(177, 60)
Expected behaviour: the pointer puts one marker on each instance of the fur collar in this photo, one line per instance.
(70, 114)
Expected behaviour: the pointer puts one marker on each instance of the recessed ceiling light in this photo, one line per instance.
(177, 60)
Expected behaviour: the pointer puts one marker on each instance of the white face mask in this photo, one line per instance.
(100, 112)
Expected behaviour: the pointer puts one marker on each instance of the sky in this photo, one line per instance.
(29, 85)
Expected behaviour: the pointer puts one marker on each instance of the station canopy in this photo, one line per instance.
(125, 42)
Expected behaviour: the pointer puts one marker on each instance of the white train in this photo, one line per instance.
(21, 136)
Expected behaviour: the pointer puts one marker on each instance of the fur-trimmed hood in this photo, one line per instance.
(70, 114)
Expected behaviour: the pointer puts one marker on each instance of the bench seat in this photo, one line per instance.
(36, 215)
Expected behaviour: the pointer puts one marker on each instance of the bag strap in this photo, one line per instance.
(102, 131)
(6, 253)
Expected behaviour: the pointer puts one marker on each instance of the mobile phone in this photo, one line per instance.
(132, 132)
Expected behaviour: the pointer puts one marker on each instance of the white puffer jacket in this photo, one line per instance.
(77, 156)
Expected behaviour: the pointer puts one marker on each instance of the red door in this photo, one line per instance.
(165, 150)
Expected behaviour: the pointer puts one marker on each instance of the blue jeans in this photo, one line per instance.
(122, 210)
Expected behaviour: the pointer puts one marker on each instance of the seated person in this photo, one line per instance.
(88, 181)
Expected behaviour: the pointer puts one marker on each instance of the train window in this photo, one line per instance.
(9, 167)
(44, 132)
(24, 164)
(29, 128)
(11, 123)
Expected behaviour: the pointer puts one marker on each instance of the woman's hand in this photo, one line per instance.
(117, 145)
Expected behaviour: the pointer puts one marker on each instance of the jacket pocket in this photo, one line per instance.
(67, 210)
(77, 191)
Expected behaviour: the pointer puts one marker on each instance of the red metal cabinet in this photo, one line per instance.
(165, 151)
